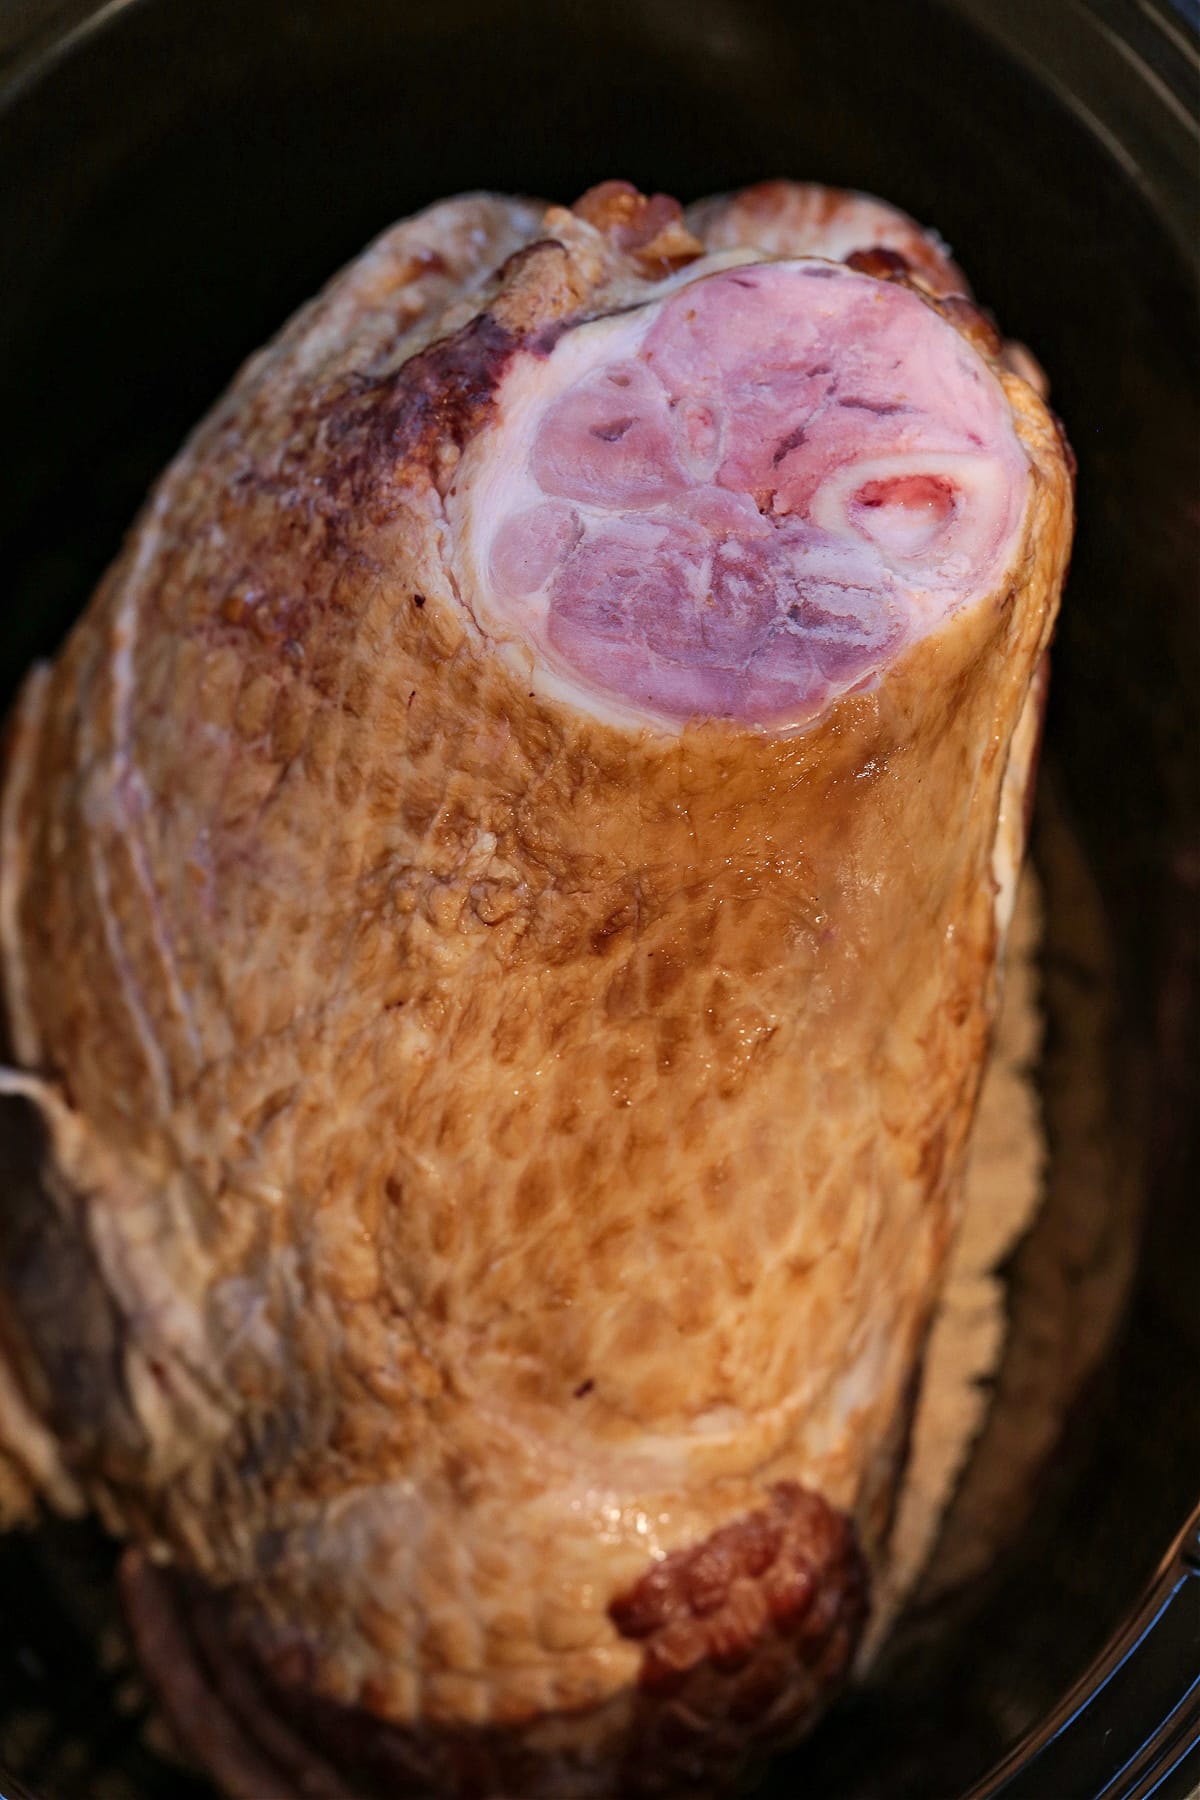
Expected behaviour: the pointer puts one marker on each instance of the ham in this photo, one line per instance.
(501, 905)
(795, 218)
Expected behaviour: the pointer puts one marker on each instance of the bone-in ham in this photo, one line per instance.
(502, 899)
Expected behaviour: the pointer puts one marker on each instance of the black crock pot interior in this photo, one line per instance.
(174, 183)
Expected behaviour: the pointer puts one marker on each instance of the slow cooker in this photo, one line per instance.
(176, 177)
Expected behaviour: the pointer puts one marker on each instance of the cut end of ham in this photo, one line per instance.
(741, 500)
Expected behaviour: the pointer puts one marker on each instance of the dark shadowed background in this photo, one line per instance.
(176, 180)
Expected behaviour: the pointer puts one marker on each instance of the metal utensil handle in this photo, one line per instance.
(1131, 1727)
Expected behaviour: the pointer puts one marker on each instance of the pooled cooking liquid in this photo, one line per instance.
(502, 897)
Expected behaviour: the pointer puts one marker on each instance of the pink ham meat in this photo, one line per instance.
(501, 899)
(744, 499)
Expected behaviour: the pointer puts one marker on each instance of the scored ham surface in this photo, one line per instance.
(501, 898)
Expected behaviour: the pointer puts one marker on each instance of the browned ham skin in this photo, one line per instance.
(650, 228)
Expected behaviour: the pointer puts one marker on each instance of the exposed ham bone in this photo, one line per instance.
(742, 500)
